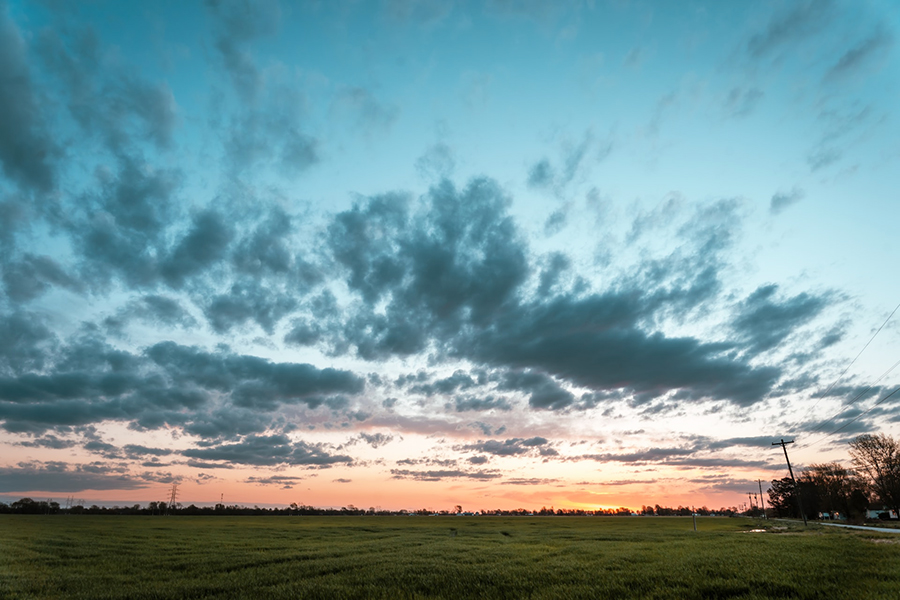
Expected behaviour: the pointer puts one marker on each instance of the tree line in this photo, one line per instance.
(835, 490)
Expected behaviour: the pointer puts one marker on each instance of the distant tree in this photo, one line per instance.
(877, 458)
(783, 498)
(27, 506)
(457, 509)
(836, 489)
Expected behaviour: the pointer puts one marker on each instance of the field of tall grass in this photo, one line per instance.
(46, 557)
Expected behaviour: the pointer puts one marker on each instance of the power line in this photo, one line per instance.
(853, 401)
(853, 420)
(847, 368)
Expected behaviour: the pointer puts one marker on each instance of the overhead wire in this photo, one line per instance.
(851, 421)
(847, 368)
(855, 398)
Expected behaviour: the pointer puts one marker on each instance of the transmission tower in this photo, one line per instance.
(172, 497)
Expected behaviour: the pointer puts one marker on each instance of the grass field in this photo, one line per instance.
(62, 556)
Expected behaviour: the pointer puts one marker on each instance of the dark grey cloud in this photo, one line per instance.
(457, 257)
(267, 450)
(48, 441)
(122, 230)
(236, 24)
(248, 301)
(31, 276)
(110, 102)
(152, 309)
(274, 135)
(508, 447)
(451, 270)
(366, 113)
(765, 320)
(87, 381)
(762, 441)
(529, 481)
(541, 174)
(556, 265)
(27, 342)
(441, 475)
(203, 245)
(459, 380)
(782, 200)
(480, 403)
(595, 342)
(544, 392)
(253, 382)
(376, 440)
(741, 102)
(795, 22)
(134, 450)
(285, 482)
(56, 477)
(861, 54)
(823, 156)
(421, 12)
(437, 162)
(27, 151)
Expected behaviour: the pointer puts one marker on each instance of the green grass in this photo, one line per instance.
(50, 557)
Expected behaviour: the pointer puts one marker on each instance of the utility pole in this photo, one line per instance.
(783, 445)
(761, 499)
(750, 496)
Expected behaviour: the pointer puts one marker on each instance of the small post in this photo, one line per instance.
(693, 514)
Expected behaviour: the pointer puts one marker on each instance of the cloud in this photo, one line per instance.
(267, 450)
(59, 477)
(107, 100)
(253, 382)
(459, 380)
(27, 342)
(796, 22)
(138, 450)
(545, 393)
(540, 175)
(861, 54)
(369, 115)
(203, 245)
(376, 440)
(441, 475)
(741, 102)
(152, 309)
(764, 321)
(48, 441)
(458, 257)
(423, 12)
(480, 403)
(437, 162)
(508, 447)
(286, 482)
(27, 151)
(782, 200)
(32, 275)
(236, 24)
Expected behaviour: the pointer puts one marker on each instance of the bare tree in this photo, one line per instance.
(877, 457)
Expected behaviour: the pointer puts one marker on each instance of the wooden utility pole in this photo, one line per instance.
(783, 445)
(761, 499)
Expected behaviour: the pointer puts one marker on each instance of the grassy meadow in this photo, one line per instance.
(46, 557)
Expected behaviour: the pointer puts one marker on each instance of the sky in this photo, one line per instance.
(426, 253)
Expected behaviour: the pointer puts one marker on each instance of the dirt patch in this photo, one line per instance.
(883, 541)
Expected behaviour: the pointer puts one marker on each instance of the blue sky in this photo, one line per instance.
(425, 252)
